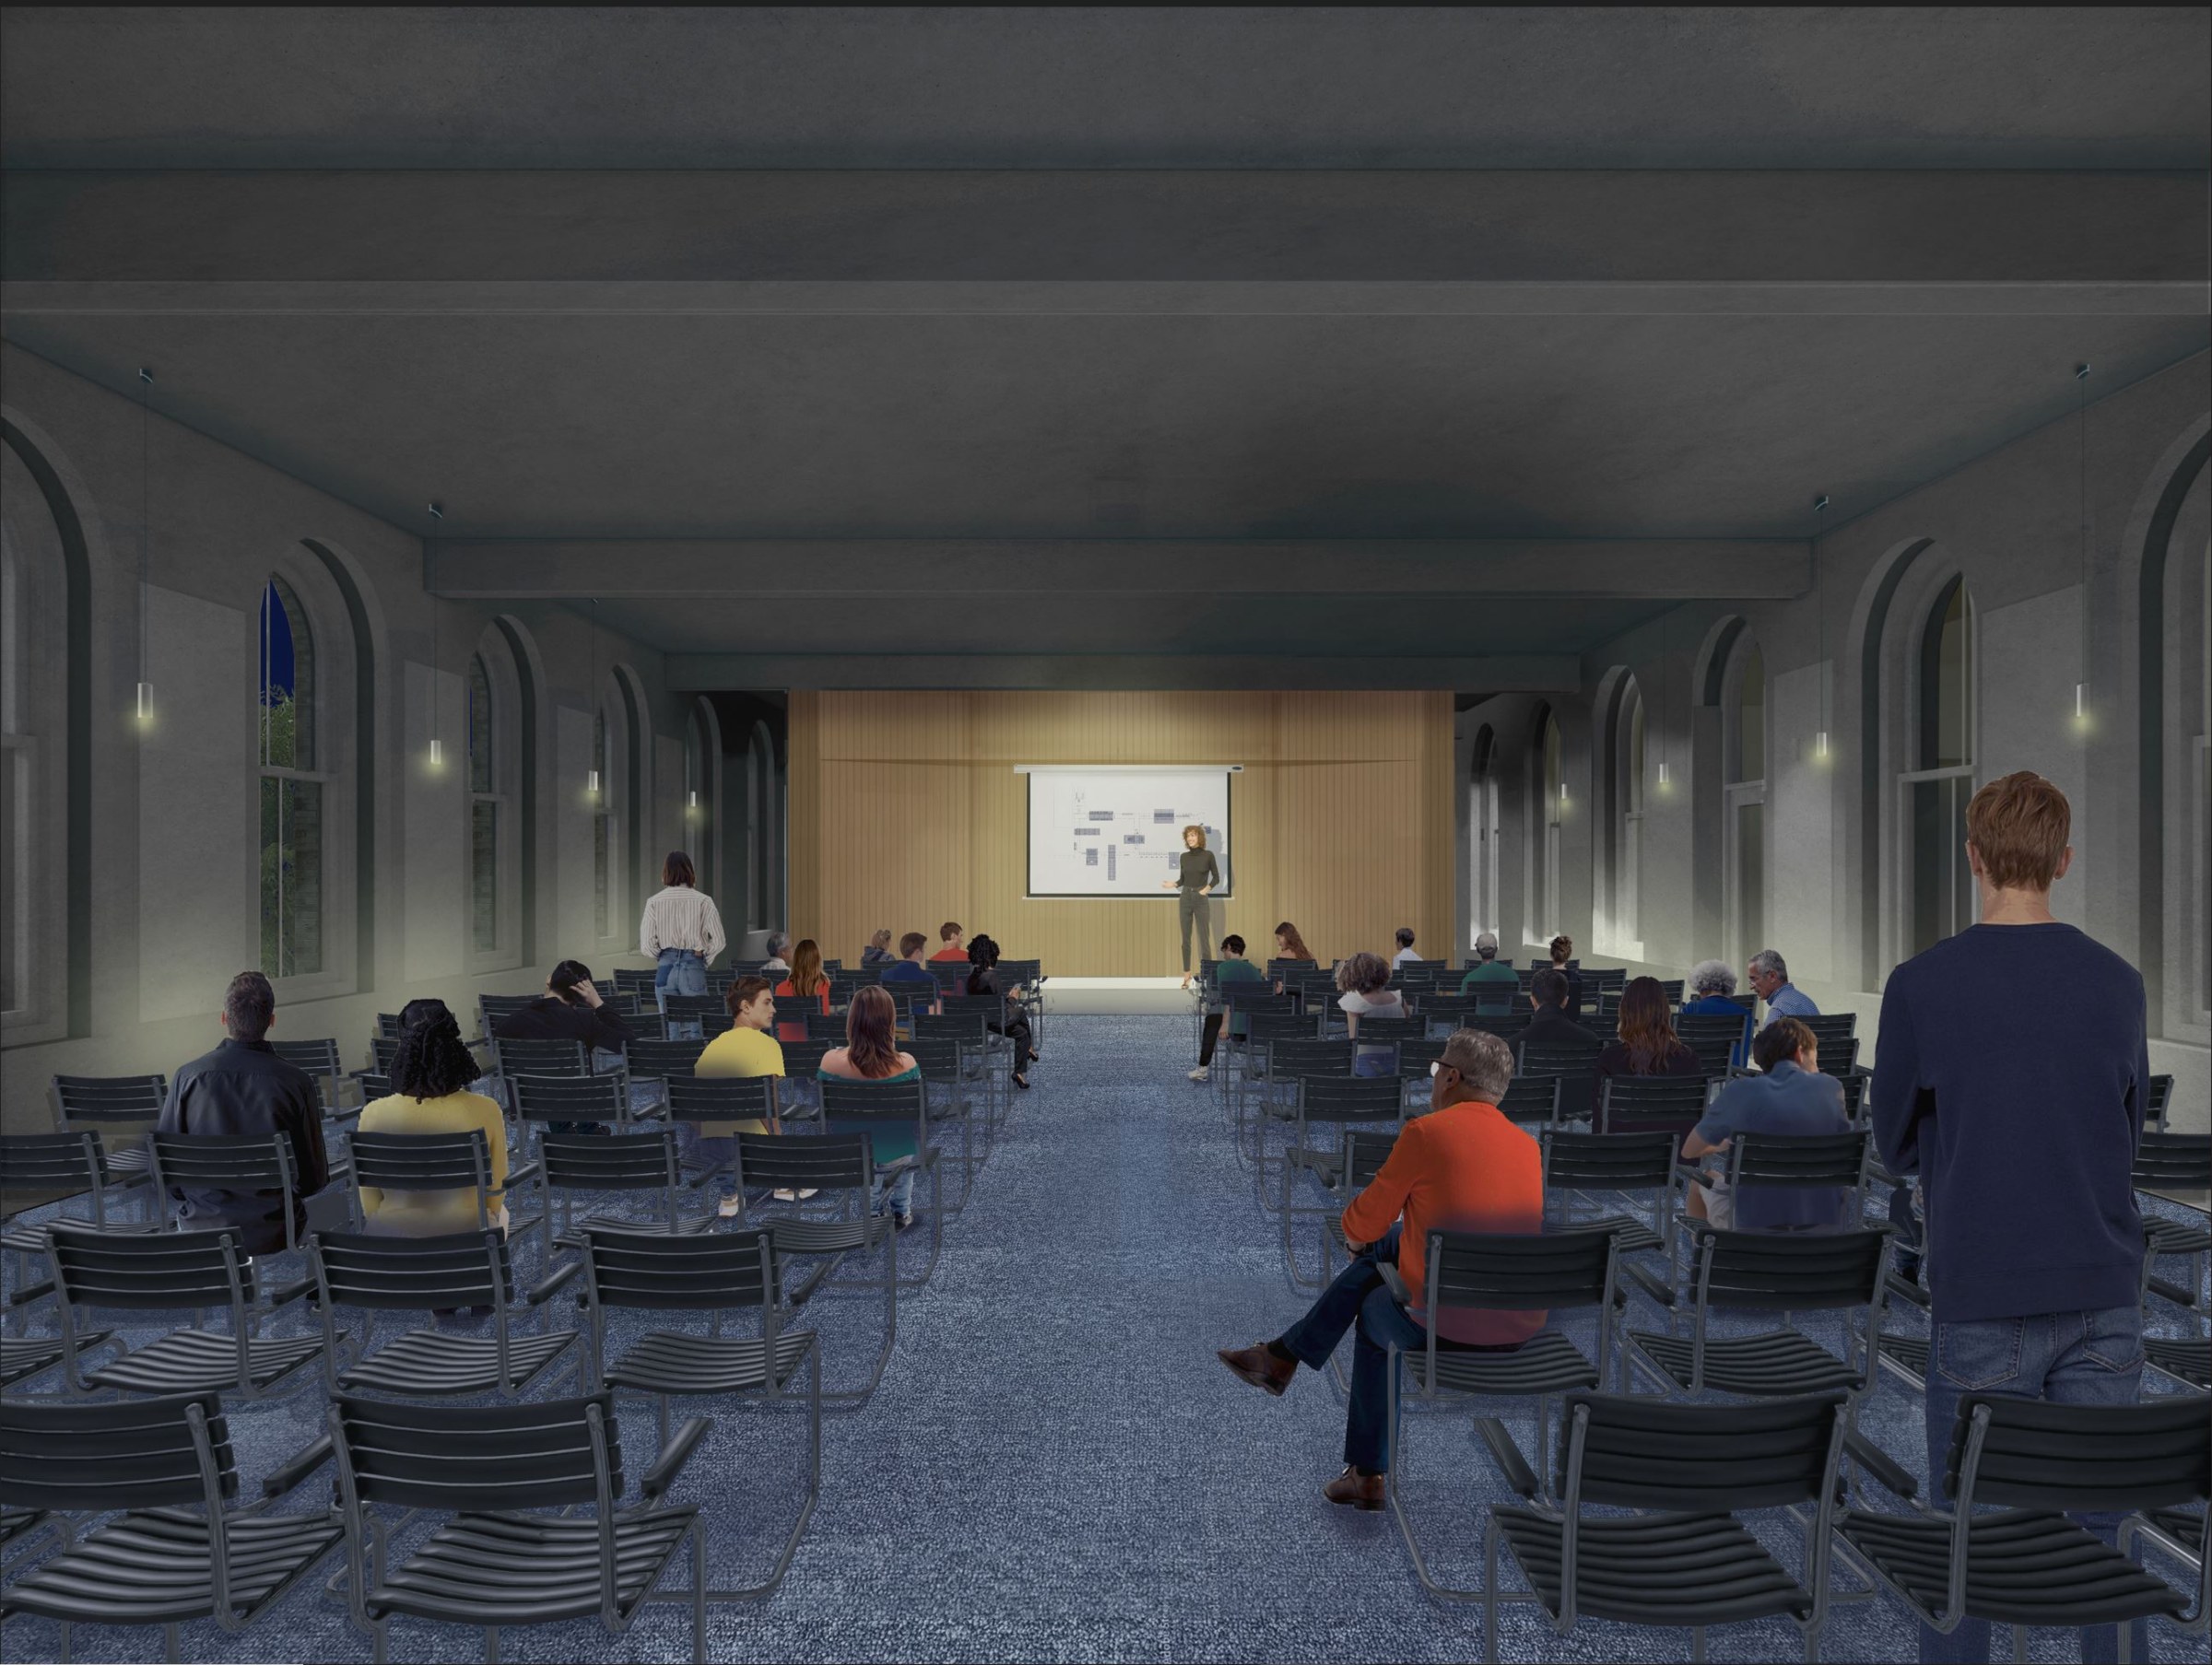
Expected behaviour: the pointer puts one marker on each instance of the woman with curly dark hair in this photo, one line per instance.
(430, 1075)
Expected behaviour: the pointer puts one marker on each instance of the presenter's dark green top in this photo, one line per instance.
(1198, 869)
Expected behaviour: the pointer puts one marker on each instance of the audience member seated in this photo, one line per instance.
(1406, 948)
(569, 1009)
(910, 966)
(1363, 991)
(1789, 1097)
(806, 978)
(1497, 999)
(242, 1088)
(680, 931)
(1707, 990)
(983, 979)
(778, 962)
(871, 1054)
(1770, 981)
(2012, 1078)
(1290, 945)
(747, 1048)
(431, 1069)
(1551, 1024)
(878, 951)
(1562, 950)
(954, 941)
(1647, 1045)
(1463, 1167)
(1233, 968)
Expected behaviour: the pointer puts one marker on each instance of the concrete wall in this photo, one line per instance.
(2011, 523)
(162, 837)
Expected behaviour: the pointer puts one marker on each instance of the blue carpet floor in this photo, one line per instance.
(1056, 1466)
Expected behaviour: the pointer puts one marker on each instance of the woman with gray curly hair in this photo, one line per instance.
(1363, 989)
(1710, 984)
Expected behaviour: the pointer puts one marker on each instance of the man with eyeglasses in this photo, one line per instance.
(1462, 1168)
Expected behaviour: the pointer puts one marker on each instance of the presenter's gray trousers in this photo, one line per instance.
(1190, 905)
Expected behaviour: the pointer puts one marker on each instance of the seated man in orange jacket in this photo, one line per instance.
(1463, 1167)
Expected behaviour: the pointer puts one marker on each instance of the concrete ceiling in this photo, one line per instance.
(921, 277)
(1272, 86)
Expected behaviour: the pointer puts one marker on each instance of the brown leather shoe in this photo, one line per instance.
(1355, 1490)
(1260, 1367)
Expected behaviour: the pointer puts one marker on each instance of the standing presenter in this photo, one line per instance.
(1196, 875)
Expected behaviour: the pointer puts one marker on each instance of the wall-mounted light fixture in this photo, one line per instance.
(1820, 608)
(2081, 688)
(591, 776)
(436, 746)
(145, 449)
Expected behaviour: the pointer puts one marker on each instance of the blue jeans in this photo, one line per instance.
(713, 1148)
(680, 972)
(899, 1193)
(2066, 1358)
(1359, 1298)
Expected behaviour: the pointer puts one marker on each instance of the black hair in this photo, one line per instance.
(1234, 946)
(1549, 987)
(564, 978)
(1405, 936)
(983, 953)
(431, 1059)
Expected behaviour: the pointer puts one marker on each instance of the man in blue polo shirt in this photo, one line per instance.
(1770, 981)
(2012, 1077)
(1789, 1097)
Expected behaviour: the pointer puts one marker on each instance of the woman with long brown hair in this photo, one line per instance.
(806, 978)
(1290, 945)
(871, 1054)
(1647, 1045)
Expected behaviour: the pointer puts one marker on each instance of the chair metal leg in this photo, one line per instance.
(491, 1645)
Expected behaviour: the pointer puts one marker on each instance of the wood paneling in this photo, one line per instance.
(906, 812)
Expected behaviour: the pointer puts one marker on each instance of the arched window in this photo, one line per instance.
(496, 803)
(603, 829)
(34, 946)
(295, 787)
(1744, 746)
(1939, 891)
(1482, 844)
(1547, 779)
(2185, 711)
(1627, 886)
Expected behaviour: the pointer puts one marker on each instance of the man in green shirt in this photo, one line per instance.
(1497, 1002)
(1233, 968)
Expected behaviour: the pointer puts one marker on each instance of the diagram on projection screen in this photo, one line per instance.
(1117, 832)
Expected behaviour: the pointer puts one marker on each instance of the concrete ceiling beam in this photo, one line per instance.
(709, 673)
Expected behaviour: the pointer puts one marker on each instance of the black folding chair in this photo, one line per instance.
(1552, 1272)
(842, 1168)
(1613, 1165)
(505, 1558)
(1256, 1061)
(226, 1162)
(1829, 1162)
(494, 1009)
(455, 1164)
(655, 1061)
(1650, 1104)
(570, 1104)
(1343, 1102)
(882, 1108)
(375, 1275)
(732, 1272)
(690, 1012)
(63, 1165)
(1681, 1558)
(161, 1476)
(620, 1163)
(942, 1061)
(2027, 1565)
(191, 1271)
(2155, 1105)
(632, 981)
(2171, 1162)
(121, 1109)
(708, 1106)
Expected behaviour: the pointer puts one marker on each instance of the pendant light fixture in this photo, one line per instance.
(1820, 607)
(591, 784)
(2081, 688)
(436, 746)
(145, 448)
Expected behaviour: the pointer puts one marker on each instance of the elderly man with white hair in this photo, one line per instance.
(1770, 981)
(1707, 989)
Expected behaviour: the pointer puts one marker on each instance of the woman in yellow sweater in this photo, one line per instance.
(430, 1073)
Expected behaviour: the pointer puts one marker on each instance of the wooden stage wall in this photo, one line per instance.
(905, 810)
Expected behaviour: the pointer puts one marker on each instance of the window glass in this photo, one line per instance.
(480, 759)
(288, 680)
(291, 800)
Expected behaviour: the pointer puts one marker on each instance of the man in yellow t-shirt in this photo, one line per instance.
(747, 1048)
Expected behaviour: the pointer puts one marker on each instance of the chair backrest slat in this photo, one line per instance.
(1799, 1272)
(704, 1272)
(610, 1161)
(1642, 1452)
(94, 1100)
(134, 1453)
(659, 1060)
(164, 1269)
(413, 1274)
(1608, 1161)
(2154, 1454)
(1351, 1097)
(420, 1162)
(537, 1454)
(1520, 1272)
(540, 1058)
(722, 1097)
(2175, 1162)
(818, 1161)
(52, 1162)
(572, 1097)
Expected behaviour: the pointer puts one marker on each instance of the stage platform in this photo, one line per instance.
(1117, 995)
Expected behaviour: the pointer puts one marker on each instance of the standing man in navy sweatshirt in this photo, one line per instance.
(2012, 1077)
